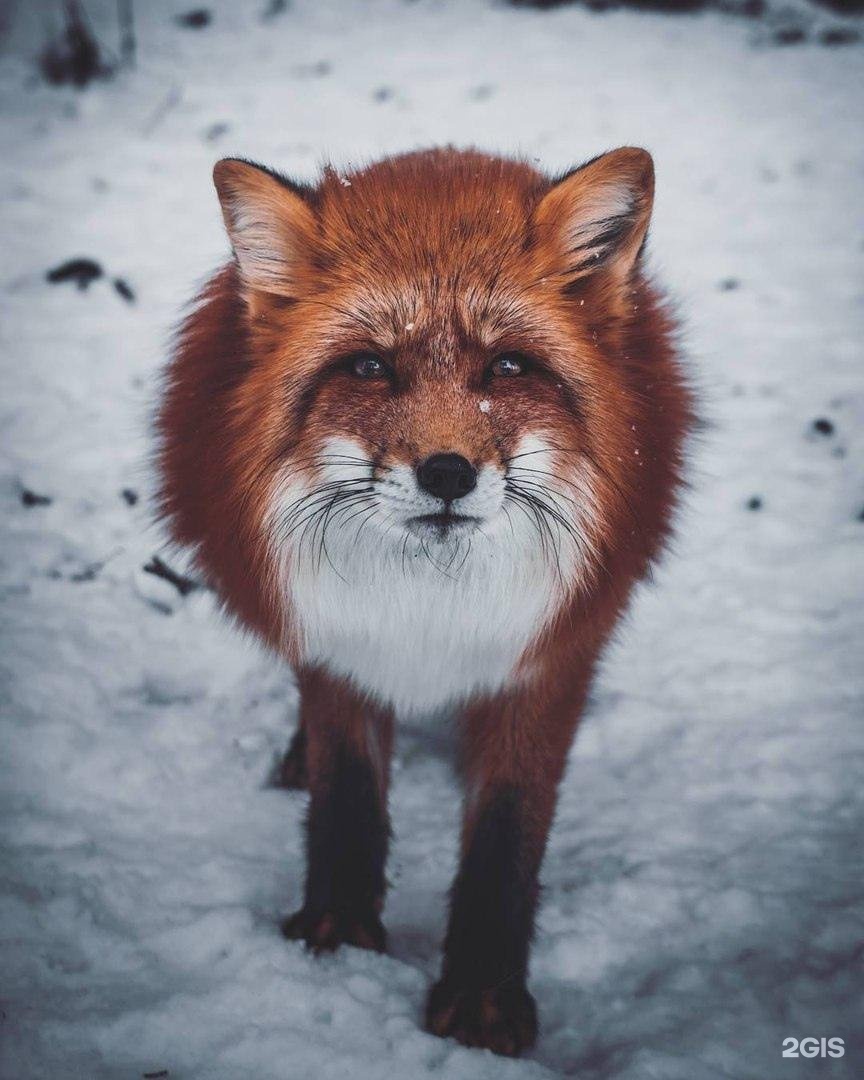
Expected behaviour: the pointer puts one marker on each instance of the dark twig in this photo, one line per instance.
(184, 585)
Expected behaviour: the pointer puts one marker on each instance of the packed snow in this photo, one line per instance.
(704, 896)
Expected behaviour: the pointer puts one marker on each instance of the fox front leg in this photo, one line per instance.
(515, 753)
(348, 745)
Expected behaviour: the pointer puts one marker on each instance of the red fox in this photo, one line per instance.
(424, 433)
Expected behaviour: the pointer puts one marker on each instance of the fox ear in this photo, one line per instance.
(270, 225)
(596, 217)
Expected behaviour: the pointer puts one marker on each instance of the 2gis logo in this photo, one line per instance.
(812, 1048)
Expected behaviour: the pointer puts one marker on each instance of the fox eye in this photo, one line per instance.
(506, 365)
(367, 366)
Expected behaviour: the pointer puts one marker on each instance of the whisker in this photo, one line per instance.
(312, 510)
(535, 485)
(373, 510)
(465, 556)
(437, 566)
(315, 495)
(543, 450)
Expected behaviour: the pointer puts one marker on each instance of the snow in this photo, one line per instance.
(703, 888)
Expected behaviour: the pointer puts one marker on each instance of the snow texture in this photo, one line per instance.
(703, 887)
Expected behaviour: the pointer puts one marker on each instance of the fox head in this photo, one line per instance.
(437, 356)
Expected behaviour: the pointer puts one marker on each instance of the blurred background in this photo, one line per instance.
(703, 887)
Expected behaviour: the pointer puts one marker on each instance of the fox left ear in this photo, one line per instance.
(595, 218)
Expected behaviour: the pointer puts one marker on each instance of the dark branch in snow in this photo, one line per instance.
(30, 498)
(124, 289)
(87, 573)
(82, 271)
(171, 99)
(184, 585)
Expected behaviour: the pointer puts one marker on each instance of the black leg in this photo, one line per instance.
(347, 830)
(482, 998)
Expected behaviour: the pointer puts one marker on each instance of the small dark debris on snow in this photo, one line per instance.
(124, 289)
(754, 502)
(729, 284)
(789, 35)
(274, 8)
(30, 498)
(482, 92)
(196, 19)
(82, 271)
(823, 426)
(160, 1074)
(216, 131)
(86, 573)
(383, 93)
(316, 70)
(839, 35)
(74, 58)
(184, 585)
(861, 514)
(129, 496)
(844, 7)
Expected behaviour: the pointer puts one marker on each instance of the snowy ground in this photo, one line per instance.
(703, 890)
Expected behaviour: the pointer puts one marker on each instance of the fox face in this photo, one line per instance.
(430, 397)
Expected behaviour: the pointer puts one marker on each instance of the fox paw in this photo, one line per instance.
(325, 931)
(502, 1019)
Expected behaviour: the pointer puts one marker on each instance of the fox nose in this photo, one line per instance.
(447, 476)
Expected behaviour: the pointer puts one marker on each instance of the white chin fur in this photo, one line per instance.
(412, 616)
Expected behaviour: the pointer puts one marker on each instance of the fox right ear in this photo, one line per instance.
(270, 225)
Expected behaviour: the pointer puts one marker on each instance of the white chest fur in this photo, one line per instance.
(416, 634)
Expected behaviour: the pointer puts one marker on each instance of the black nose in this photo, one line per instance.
(447, 476)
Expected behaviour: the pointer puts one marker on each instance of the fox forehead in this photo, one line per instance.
(432, 252)
(448, 209)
